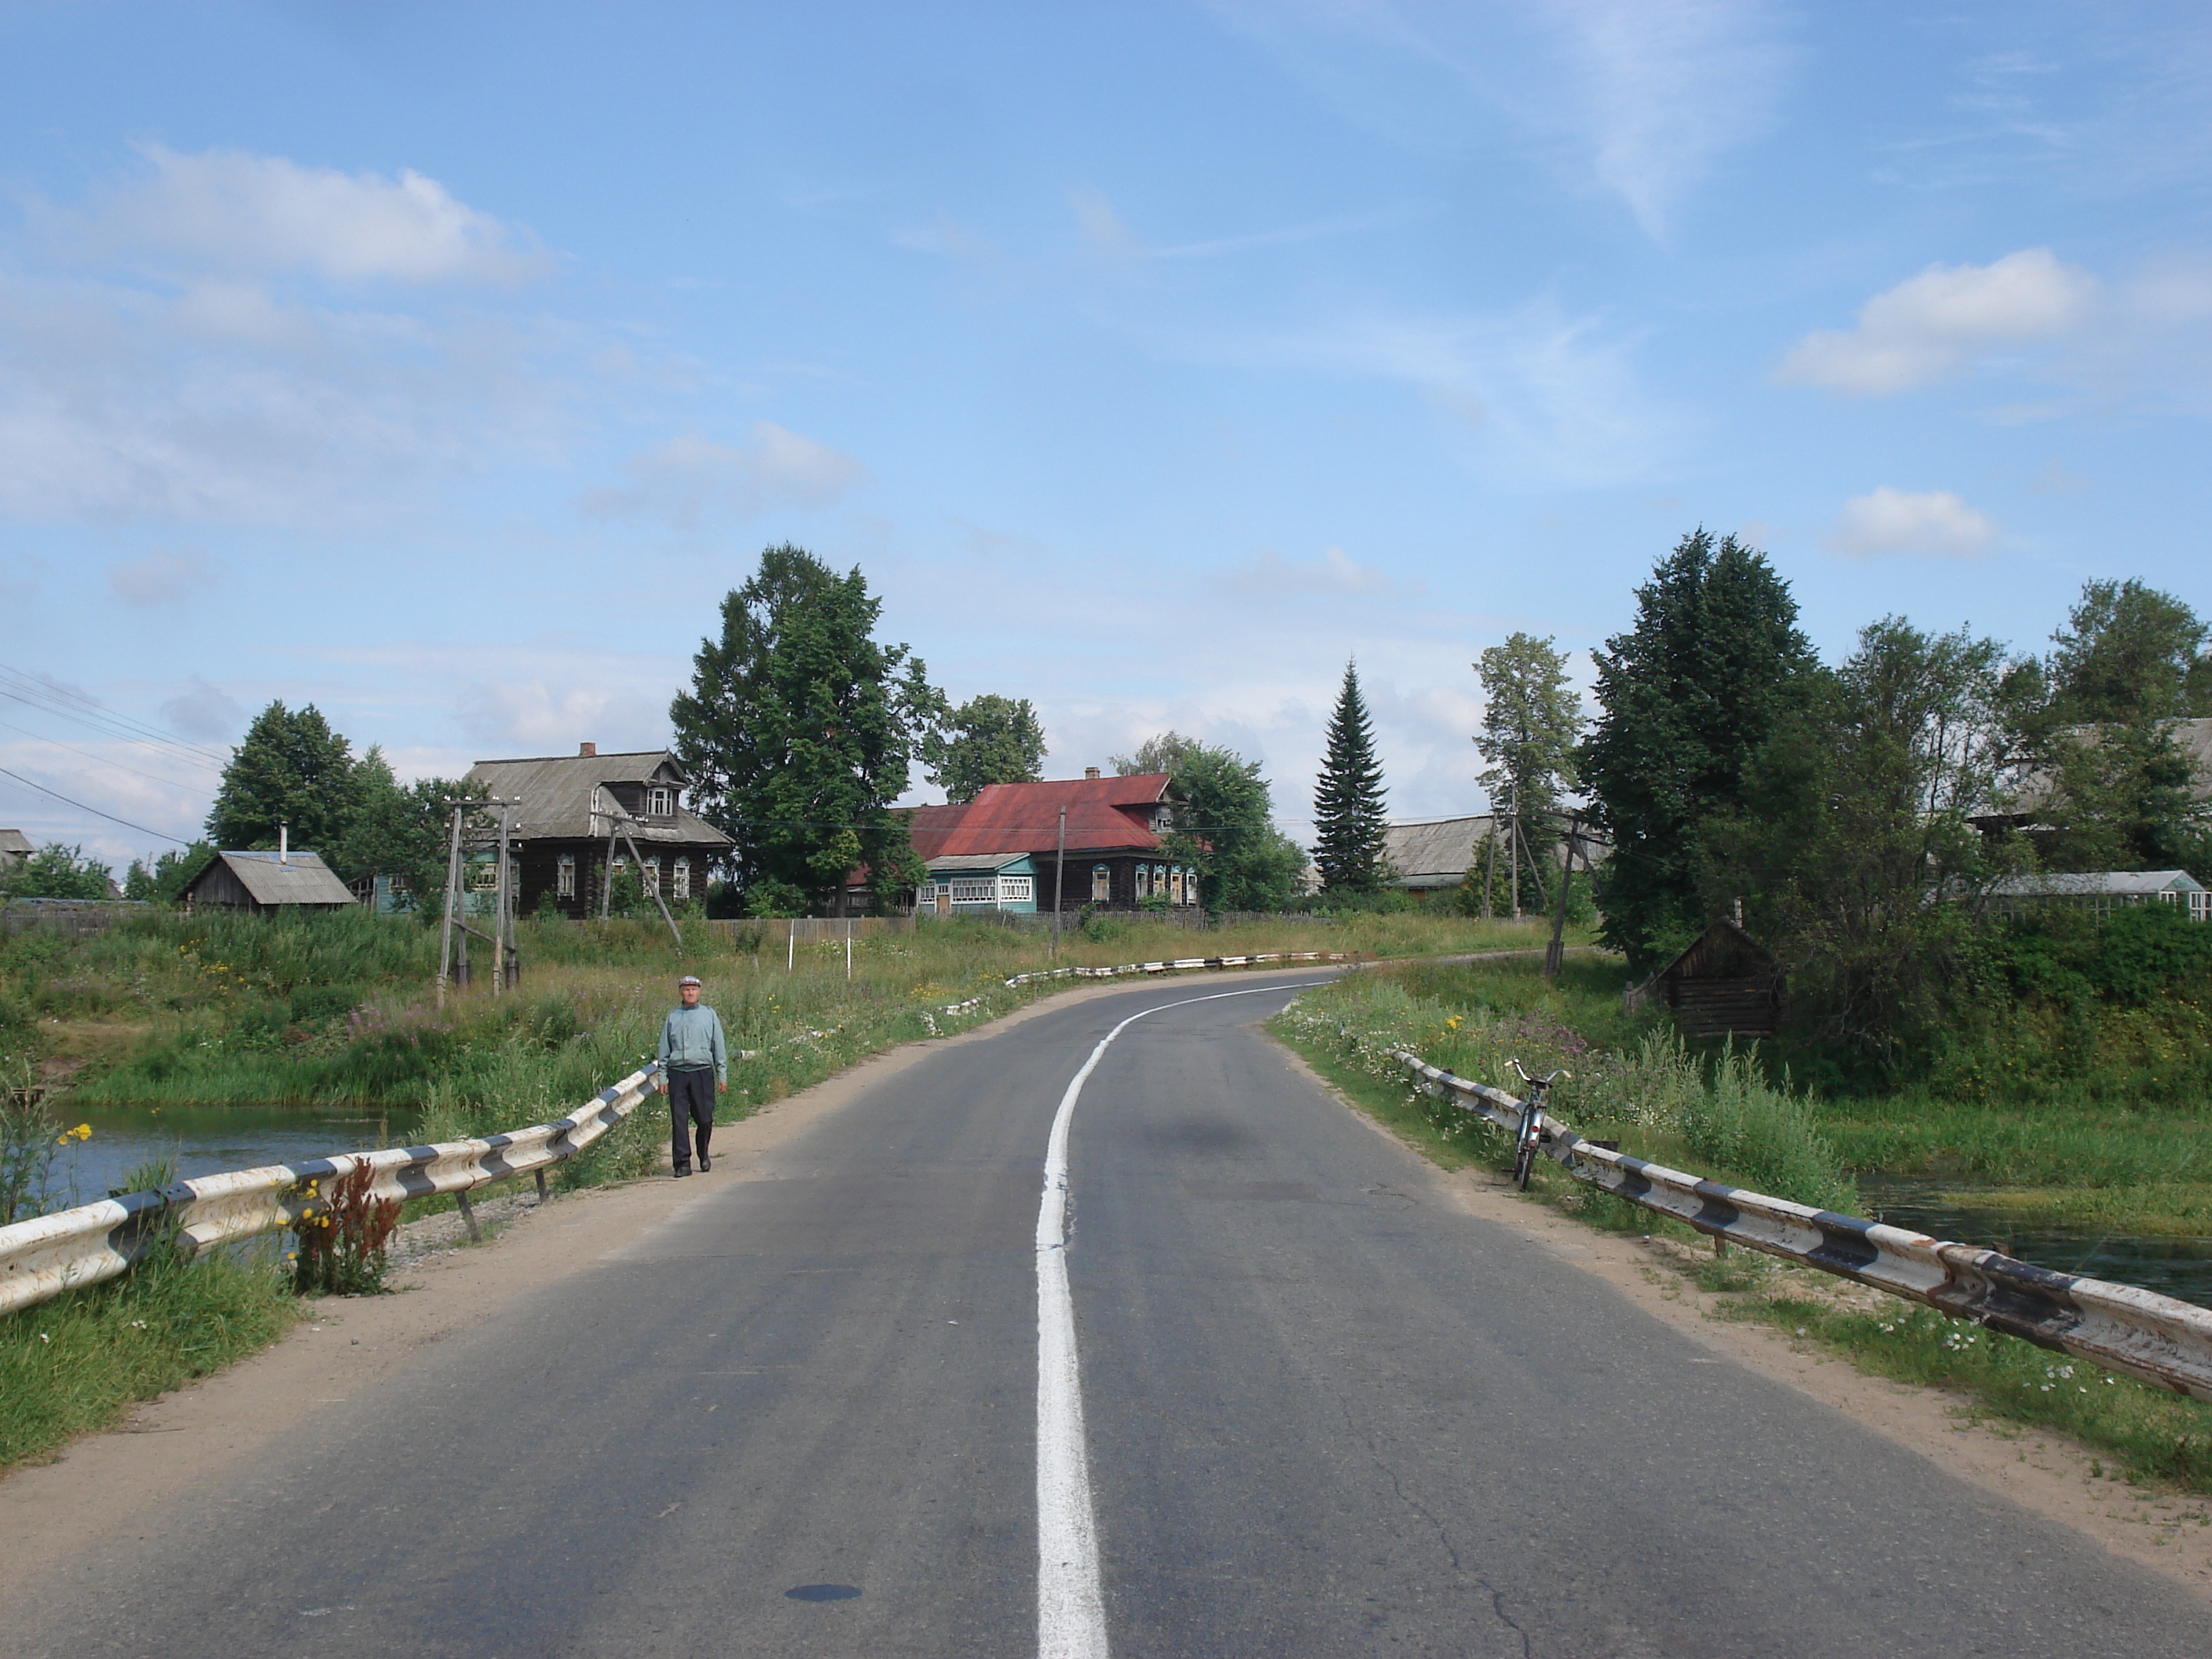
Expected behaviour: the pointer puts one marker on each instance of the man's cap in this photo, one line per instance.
(688, 979)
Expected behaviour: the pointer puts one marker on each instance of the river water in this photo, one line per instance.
(2178, 1267)
(209, 1141)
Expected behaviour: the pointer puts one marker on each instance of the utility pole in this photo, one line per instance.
(1555, 953)
(446, 931)
(1059, 878)
(499, 936)
(1513, 852)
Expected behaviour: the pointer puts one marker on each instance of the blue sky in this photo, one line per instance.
(444, 366)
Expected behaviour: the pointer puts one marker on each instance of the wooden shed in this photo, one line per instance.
(266, 881)
(1728, 984)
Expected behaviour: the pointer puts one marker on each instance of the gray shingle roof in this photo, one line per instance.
(2129, 884)
(302, 878)
(1435, 855)
(15, 844)
(556, 796)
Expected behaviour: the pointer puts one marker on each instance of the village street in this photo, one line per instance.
(1327, 1414)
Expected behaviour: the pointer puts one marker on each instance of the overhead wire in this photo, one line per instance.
(28, 783)
(76, 707)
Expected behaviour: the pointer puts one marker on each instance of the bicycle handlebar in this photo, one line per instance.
(1539, 1082)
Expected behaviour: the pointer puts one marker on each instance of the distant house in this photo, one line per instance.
(2033, 795)
(1726, 984)
(567, 806)
(2101, 891)
(979, 881)
(261, 882)
(1116, 854)
(1439, 853)
(15, 848)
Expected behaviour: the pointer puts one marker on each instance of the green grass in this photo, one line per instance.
(1466, 1019)
(80, 1362)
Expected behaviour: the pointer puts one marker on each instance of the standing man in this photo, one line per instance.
(692, 1052)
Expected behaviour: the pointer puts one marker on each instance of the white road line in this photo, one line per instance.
(1071, 1608)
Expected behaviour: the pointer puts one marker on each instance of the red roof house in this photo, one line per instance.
(1114, 840)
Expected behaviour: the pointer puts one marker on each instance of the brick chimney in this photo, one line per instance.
(585, 751)
(1091, 774)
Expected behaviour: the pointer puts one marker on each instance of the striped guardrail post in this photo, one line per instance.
(2155, 1339)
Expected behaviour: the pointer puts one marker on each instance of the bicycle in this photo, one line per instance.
(1529, 1134)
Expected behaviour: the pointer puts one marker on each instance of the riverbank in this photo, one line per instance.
(1630, 1086)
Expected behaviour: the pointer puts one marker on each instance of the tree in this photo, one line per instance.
(2100, 772)
(1348, 819)
(59, 872)
(1225, 824)
(291, 770)
(1858, 810)
(1530, 720)
(798, 732)
(400, 830)
(162, 882)
(987, 740)
(1688, 695)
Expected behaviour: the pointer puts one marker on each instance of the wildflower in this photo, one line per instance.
(43, 1337)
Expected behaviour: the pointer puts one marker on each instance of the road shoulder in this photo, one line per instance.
(2044, 1472)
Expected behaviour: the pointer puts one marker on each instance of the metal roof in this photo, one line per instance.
(2089, 884)
(1104, 815)
(948, 862)
(554, 795)
(1434, 855)
(301, 879)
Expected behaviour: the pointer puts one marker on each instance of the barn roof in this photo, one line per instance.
(1104, 815)
(15, 843)
(1434, 855)
(555, 794)
(2118, 883)
(301, 879)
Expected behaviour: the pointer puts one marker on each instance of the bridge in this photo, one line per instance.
(1104, 1329)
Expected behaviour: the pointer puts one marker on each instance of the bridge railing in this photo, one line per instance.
(50, 1254)
(2155, 1339)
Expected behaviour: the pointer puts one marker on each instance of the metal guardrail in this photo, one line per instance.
(44, 1257)
(2154, 1339)
(1180, 964)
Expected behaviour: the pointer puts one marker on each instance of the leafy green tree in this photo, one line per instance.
(162, 882)
(1224, 827)
(1688, 695)
(798, 731)
(292, 768)
(1857, 810)
(1348, 827)
(1163, 753)
(400, 830)
(1530, 720)
(987, 740)
(2101, 776)
(57, 872)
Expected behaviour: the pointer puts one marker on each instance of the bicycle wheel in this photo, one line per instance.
(1525, 1155)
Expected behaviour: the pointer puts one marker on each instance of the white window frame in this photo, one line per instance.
(679, 885)
(1102, 884)
(564, 876)
(971, 889)
(652, 868)
(660, 801)
(1016, 889)
(484, 876)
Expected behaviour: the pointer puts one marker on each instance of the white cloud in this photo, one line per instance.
(1103, 233)
(161, 578)
(1267, 574)
(225, 209)
(680, 480)
(1935, 325)
(1899, 521)
(204, 713)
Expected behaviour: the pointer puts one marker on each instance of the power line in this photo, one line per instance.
(97, 760)
(158, 835)
(41, 694)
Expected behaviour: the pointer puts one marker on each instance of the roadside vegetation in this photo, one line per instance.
(1720, 1113)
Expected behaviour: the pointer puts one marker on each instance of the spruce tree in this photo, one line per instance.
(1348, 804)
(1688, 695)
(291, 769)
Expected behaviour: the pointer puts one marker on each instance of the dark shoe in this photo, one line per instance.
(705, 1164)
(683, 1169)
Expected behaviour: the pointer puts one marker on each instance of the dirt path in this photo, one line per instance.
(115, 1486)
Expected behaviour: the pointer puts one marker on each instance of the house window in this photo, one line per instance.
(682, 887)
(1102, 884)
(985, 891)
(484, 877)
(564, 876)
(652, 874)
(1015, 890)
(660, 802)
(1175, 884)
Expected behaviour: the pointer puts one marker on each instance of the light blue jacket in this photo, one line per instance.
(693, 1037)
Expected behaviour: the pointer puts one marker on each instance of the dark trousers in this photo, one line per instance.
(690, 1100)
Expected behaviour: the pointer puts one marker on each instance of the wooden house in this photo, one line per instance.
(1726, 984)
(287, 879)
(566, 807)
(1116, 846)
(15, 848)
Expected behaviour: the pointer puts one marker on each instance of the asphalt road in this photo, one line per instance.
(1326, 1414)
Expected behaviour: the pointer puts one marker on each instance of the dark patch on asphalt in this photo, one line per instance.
(1216, 1136)
(821, 1593)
